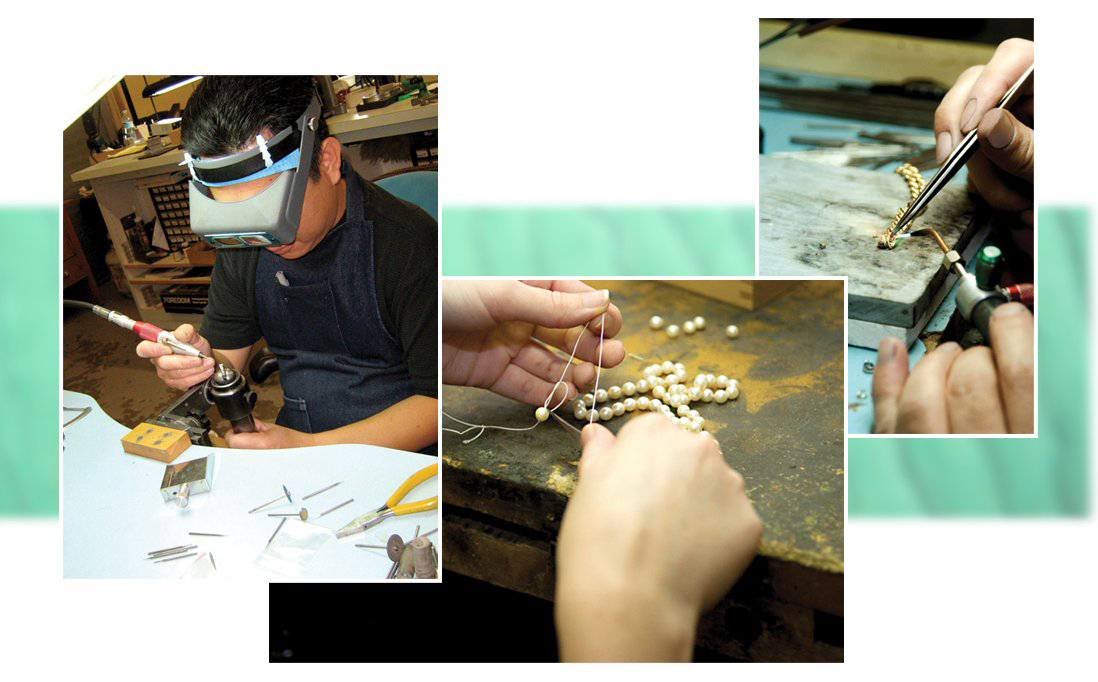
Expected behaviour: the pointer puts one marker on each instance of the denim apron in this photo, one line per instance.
(337, 362)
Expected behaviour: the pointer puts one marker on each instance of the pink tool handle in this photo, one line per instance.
(149, 332)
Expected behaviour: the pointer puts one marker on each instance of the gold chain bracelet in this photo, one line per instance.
(915, 184)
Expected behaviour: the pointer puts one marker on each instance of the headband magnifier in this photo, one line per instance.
(271, 217)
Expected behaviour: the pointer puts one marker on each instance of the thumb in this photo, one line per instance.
(889, 377)
(1007, 143)
(596, 440)
(558, 309)
(185, 333)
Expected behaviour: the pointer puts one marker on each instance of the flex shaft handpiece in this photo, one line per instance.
(149, 332)
(977, 296)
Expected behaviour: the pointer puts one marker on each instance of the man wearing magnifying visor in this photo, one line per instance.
(337, 275)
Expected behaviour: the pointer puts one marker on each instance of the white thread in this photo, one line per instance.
(598, 368)
(553, 392)
(562, 374)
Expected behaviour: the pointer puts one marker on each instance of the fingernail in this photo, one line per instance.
(595, 299)
(1026, 217)
(1008, 310)
(1002, 133)
(966, 118)
(951, 347)
(945, 146)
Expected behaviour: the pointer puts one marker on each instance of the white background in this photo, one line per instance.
(567, 82)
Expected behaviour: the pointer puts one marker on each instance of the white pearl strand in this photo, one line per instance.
(671, 395)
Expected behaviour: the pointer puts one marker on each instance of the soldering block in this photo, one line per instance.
(156, 442)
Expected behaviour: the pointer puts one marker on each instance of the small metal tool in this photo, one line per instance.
(958, 158)
(321, 490)
(83, 413)
(392, 506)
(185, 479)
(343, 504)
(303, 514)
(286, 494)
(168, 552)
(183, 556)
(208, 535)
(280, 524)
(169, 549)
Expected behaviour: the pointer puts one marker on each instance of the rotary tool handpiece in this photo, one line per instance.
(149, 332)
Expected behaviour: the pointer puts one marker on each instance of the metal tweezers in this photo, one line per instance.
(957, 159)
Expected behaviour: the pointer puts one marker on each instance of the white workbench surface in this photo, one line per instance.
(113, 515)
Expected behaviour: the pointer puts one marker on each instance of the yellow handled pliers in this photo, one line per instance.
(392, 506)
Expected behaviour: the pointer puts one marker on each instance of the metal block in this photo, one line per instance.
(187, 478)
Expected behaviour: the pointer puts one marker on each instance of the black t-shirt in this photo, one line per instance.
(405, 243)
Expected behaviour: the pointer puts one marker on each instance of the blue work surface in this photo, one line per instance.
(113, 514)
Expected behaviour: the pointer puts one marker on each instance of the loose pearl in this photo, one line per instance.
(606, 413)
(618, 409)
(628, 388)
(695, 393)
(655, 322)
(541, 414)
(615, 392)
(643, 386)
(659, 392)
(733, 391)
(707, 395)
(683, 410)
(675, 401)
(722, 381)
(654, 404)
(673, 330)
(689, 327)
(696, 426)
(693, 414)
(668, 367)
(666, 410)
(588, 399)
(600, 395)
(580, 412)
(630, 404)
(684, 422)
(720, 396)
(701, 381)
(651, 370)
(731, 331)
(680, 368)
(656, 381)
(642, 402)
(699, 322)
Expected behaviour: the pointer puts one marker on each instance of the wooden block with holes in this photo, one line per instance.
(155, 442)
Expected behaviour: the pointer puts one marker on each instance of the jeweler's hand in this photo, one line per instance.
(488, 327)
(1001, 170)
(657, 531)
(978, 390)
(179, 371)
(268, 437)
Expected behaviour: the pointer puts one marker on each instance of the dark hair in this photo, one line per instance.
(225, 113)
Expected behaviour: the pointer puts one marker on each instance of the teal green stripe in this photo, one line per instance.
(620, 241)
(29, 340)
(987, 477)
